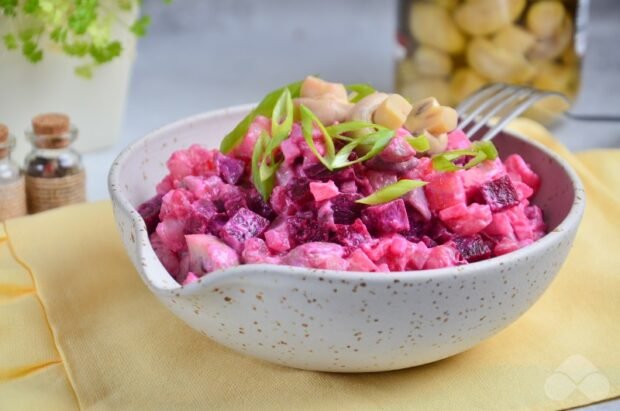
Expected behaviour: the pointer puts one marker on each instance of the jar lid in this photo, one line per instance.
(51, 124)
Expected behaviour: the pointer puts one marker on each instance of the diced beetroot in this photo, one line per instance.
(378, 163)
(191, 278)
(505, 246)
(257, 204)
(348, 187)
(256, 251)
(443, 256)
(234, 199)
(277, 237)
(303, 228)
(359, 261)
(216, 223)
(445, 190)
(286, 173)
(321, 255)
(418, 255)
(180, 164)
(243, 225)
(202, 211)
(323, 191)
(457, 140)
(207, 253)
(466, 220)
(352, 235)
(386, 218)
(168, 258)
(418, 226)
(230, 169)
(165, 185)
(472, 248)
(499, 194)
(393, 250)
(171, 232)
(281, 202)
(344, 208)
(537, 223)
(149, 211)
(299, 190)
(318, 172)
(244, 149)
(439, 233)
(200, 187)
(519, 170)
(486, 171)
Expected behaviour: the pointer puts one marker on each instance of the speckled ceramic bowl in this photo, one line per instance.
(345, 321)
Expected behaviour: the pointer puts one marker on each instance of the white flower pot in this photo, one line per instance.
(95, 105)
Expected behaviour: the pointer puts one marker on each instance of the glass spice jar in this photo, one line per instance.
(54, 172)
(12, 187)
(451, 48)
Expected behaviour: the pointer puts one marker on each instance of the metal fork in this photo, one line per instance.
(501, 101)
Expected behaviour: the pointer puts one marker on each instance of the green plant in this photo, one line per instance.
(80, 28)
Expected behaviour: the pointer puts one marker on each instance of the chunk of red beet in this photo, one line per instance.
(500, 193)
(257, 204)
(303, 228)
(149, 211)
(473, 247)
(216, 223)
(299, 190)
(230, 169)
(345, 209)
(243, 225)
(418, 225)
(440, 233)
(386, 218)
(352, 235)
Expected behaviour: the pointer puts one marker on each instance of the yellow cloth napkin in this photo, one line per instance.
(79, 330)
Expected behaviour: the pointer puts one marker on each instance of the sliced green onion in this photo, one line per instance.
(419, 143)
(264, 187)
(342, 128)
(359, 91)
(391, 192)
(264, 108)
(308, 119)
(281, 120)
(480, 151)
(377, 141)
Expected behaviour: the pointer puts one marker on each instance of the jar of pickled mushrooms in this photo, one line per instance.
(451, 48)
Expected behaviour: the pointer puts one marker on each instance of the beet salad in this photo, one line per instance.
(328, 176)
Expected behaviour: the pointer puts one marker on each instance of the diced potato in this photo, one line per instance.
(393, 112)
(314, 87)
(545, 18)
(428, 86)
(482, 17)
(432, 25)
(465, 82)
(498, 64)
(514, 38)
(432, 62)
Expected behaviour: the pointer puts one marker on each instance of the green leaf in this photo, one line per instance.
(31, 6)
(377, 141)
(84, 71)
(391, 192)
(10, 41)
(59, 35)
(264, 108)
(140, 26)
(359, 91)
(76, 49)
(8, 7)
(264, 187)
(420, 143)
(31, 50)
(84, 14)
(105, 53)
(308, 119)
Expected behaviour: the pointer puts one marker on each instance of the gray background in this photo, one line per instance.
(206, 54)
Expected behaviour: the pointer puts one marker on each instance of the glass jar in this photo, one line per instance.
(54, 171)
(12, 188)
(451, 48)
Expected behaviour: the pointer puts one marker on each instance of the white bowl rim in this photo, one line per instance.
(571, 220)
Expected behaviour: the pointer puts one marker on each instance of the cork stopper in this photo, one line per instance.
(4, 141)
(51, 130)
(51, 124)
